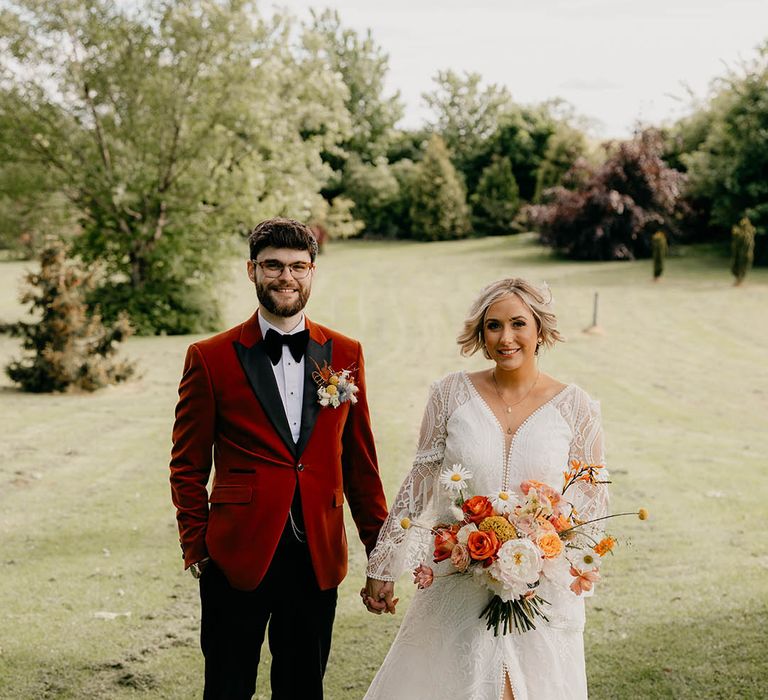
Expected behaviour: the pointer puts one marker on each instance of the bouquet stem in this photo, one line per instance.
(513, 614)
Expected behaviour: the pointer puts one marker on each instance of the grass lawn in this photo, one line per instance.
(93, 599)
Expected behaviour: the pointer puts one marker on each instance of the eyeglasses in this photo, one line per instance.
(274, 268)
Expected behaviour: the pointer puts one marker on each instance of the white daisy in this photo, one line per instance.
(455, 478)
(504, 502)
(583, 559)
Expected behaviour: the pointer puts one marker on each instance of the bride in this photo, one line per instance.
(505, 424)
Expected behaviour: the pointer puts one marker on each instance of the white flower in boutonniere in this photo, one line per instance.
(334, 387)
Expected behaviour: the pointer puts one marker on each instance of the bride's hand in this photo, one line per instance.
(378, 596)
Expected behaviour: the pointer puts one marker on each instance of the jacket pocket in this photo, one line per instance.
(231, 494)
(338, 498)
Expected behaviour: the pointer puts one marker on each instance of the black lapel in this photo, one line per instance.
(316, 356)
(258, 369)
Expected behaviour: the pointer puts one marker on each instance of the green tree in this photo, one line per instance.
(68, 345)
(438, 206)
(374, 189)
(363, 67)
(727, 168)
(523, 135)
(466, 114)
(169, 126)
(564, 148)
(496, 200)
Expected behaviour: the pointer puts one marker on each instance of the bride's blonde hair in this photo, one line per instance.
(537, 299)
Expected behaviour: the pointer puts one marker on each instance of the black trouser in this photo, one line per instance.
(300, 618)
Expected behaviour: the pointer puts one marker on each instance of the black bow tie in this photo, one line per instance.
(296, 342)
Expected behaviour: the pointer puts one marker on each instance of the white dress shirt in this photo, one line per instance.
(289, 376)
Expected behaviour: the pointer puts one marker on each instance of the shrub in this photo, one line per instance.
(660, 249)
(614, 213)
(742, 249)
(67, 346)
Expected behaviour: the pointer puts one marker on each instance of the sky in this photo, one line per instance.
(616, 61)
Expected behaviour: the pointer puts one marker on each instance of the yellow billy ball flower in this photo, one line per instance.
(331, 389)
(500, 525)
(405, 523)
(642, 514)
(333, 380)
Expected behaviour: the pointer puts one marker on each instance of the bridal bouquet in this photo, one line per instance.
(513, 540)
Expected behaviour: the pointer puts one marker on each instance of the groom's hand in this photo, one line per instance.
(378, 596)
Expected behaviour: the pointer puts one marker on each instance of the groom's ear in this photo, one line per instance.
(251, 271)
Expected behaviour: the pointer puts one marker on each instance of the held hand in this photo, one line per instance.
(378, 596)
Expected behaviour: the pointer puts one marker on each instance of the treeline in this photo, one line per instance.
(150, 135)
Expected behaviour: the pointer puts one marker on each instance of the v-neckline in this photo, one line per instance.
(507, 449)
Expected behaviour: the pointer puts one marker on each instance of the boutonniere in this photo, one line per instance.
(334, 387)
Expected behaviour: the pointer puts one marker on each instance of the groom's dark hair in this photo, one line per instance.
(282, 233)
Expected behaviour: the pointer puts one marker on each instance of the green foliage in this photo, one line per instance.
(67, 346)
(660, 248)
(169, 126)
(466, 114)
(496, 200)
(523, 136)
(564, 148)
(363, 67)
(438, 206)
(336, 218)
(728, 164)
(742, 249)
(375, 191)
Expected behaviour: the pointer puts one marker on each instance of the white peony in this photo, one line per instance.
(518, 565)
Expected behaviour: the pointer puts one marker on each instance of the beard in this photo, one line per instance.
(280, 307)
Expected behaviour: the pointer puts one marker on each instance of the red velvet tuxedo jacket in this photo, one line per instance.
(230, 416)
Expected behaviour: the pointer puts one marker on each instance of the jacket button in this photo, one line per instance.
(299, 467)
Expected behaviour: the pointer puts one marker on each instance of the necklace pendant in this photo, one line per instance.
(509, 430)
(509, 409)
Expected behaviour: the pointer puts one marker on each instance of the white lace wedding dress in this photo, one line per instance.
(443, 650)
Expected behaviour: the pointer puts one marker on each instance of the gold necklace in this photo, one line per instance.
(517, 403)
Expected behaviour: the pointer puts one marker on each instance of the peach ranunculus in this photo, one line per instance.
(460, 558)
(423, 576)
(584, 580)
(477, 509)
(543, 489)
(483, 545)
(550, 545)
(445, 541)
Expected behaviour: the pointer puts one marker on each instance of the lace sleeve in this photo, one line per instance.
(398, 550)
(590, 500)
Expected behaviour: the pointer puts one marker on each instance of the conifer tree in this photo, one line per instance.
(439, 208)
(742, 249)
(497, 198)
(66, 347)
(660, 248)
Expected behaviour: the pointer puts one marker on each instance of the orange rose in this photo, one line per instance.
(477, 509)
(550, 545)
(482, 545)
(445, 540)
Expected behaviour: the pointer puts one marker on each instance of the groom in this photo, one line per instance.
(268, 542)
